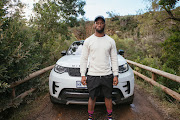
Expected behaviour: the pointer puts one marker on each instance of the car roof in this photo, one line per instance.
(78, 42)
(81, 41)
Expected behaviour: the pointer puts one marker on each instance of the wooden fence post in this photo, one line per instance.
(153, 76)
(13, 93)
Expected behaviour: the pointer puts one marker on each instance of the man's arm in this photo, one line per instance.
(115, 80)
(83, 62)
(114, 63)
(83, 80)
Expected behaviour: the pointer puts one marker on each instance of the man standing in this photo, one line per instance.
(100, 50)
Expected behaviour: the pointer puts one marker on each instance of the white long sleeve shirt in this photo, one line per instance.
(102, 55)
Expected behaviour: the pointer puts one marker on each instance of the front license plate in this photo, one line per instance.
(80, 85)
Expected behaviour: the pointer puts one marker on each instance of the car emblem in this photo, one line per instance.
(76, 66)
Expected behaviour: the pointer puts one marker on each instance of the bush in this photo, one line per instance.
(171, 51)
(130, 47)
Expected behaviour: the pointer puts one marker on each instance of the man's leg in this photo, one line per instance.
(107, 89)
(108, 103)
(91, 105)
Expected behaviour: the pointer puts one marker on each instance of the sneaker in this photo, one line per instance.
(90, 117)
(109, 116)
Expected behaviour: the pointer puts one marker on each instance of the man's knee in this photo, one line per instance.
(92, 99)
(108, 99)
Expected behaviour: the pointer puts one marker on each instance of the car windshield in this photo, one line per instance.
(75, 48)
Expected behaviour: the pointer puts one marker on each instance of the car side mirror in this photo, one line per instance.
(63, 52)
(121, 52)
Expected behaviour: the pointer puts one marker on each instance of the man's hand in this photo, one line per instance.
(115, 80)
(83, 80)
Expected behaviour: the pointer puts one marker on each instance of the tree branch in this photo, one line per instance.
(158, 22)
(170, 14)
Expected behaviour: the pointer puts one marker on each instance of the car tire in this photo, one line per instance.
(52, 100)
(130, 101)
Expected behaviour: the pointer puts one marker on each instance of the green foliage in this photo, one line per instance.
(51, 24)
(157, 63)
(148, 61)
(124, 26)
(171, 51)
(3, 86)
(18, 55)
(168, 4)
(129, 47)
(17, 51)
(159, 92)
(127, 23)
(28, 47)
(151, 62)
(150, 44)
(80, 31)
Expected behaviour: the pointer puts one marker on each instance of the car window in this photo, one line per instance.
(75, 48)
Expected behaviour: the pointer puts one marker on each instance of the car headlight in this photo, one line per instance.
(123, 68)
(60, 69)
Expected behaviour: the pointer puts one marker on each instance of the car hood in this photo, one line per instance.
(74, 61)
(69, 61)
(121, 60)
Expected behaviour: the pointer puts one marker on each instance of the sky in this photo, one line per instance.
(94, 8)
(121, 7)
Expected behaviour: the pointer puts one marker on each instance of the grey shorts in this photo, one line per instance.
(100, 85)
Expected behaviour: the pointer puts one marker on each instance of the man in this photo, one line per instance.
(100, 50)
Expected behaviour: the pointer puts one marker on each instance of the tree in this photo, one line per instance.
(171, 51)
(25, 48)
(17, 58)
(168, 6)
(114, 16)
(57, 14)
(19, 55)
(3, 84)
(52, 21)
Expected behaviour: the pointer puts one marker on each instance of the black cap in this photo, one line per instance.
(100, 16)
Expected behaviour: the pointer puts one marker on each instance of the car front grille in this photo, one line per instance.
(74, 94)
(74, 72)
(83, 95)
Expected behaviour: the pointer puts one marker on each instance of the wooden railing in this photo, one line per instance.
(152, 80)
(35, 74)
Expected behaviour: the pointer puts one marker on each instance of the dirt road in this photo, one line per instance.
(141, 109)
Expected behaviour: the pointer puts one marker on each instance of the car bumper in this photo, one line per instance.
(76, 96)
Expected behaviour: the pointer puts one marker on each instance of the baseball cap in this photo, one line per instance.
(99, 16)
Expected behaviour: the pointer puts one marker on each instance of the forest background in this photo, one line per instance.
(151, 38)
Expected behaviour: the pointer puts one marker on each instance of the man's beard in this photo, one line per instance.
(100, 31)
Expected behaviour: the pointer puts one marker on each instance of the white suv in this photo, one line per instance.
(65, 80)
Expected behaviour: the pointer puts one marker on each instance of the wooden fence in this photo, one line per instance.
(35, 74)
(152, 80)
